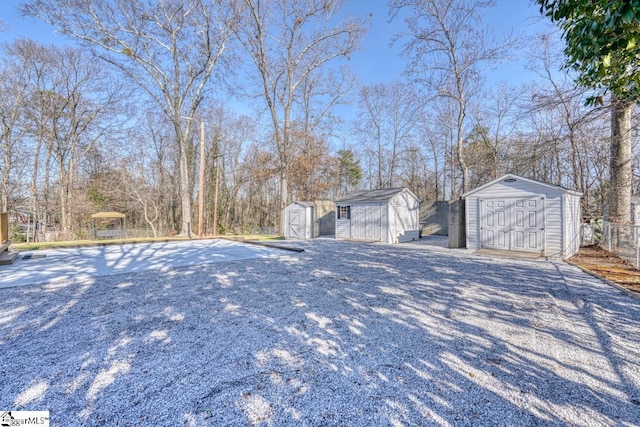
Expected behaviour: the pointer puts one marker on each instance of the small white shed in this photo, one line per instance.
(386, 215)
(308, 220)
(520, 214)
(299, 221)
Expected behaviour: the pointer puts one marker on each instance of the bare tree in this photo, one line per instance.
(448, 49)
(80, 102)
(415, 173)
(563, 137)
(168, 48)
(600, 47)
(313, 171)
(145, 172)
(233, 165)
(15, 82)
(437, 137)
(33, 60)
(65, 110)
(386, 123)
(290, 41)
(495, 124)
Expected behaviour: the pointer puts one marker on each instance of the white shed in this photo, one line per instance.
(308, 220)
(386, 215)
(299, 221)
(520, 214)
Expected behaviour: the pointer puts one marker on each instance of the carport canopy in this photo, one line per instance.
(108, 215)
(109, 232)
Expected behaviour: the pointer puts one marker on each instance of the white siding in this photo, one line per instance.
(515, 190)
(384, 223)
(368, 220)
(304, 215)
(561, 217)
(472, 209)
(404, 210)
(343, 226)
(309, 223)
(572, 218)
(553, 225)
(399, 219)
(635, 213)
(356, 226)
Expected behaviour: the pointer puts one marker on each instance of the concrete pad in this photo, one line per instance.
(91, 261)
(509, 254)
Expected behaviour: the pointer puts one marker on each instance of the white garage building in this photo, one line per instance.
(519, 214)
(389, 215)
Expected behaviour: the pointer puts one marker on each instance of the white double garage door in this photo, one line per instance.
(366, 222)
(515, 224)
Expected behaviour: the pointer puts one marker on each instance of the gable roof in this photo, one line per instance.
(511, 176)
(305, 204)
(379, 195)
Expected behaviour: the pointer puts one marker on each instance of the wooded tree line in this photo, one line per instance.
(110, 120)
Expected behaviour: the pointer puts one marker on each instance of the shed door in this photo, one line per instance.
(374, 222)
(528, 225)
(366, 222)
(296, 224)
(494, 223)
(512, 224)
(358, 222)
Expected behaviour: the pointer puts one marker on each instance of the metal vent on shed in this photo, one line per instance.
(510, 180)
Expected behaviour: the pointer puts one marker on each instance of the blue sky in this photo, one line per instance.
(16, 26)
(377, 61)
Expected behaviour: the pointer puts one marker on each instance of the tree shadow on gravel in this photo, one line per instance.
(341, 334)
(84, 263)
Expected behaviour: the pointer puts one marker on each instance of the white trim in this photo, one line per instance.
(520, 178)
(543, 213)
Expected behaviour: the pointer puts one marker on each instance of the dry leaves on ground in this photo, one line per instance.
(602, 263)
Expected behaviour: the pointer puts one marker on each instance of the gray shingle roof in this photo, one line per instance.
(380, 195)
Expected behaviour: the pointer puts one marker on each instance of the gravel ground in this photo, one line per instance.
(85, 262)
(341, 334)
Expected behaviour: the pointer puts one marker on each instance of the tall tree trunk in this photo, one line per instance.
(460, 142)
(453, 195)
(64, 200)
(380, 157)
(284, 198)
(4, 202)
(621, 172)
(185, 195)
(33, 186)
(47, 187)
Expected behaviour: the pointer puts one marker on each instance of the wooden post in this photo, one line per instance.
(6, 256)
(4, 227)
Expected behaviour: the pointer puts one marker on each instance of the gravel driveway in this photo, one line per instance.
(54, 265)
(342, 334)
